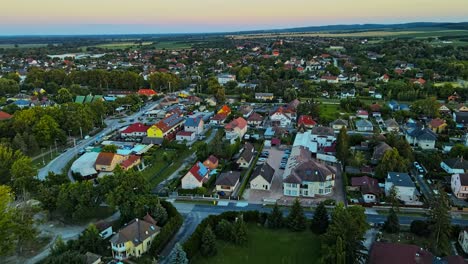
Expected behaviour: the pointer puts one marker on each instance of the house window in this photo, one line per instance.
(327, 190)
(305, 193)
(320, 191)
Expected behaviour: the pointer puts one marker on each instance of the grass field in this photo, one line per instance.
(119, 45)
(269, 247)
(380, 33)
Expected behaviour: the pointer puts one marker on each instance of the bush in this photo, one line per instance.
(196, 191)
(420, 228)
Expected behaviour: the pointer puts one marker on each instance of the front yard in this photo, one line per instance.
(268, 246)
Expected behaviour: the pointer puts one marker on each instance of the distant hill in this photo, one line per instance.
(364, 27)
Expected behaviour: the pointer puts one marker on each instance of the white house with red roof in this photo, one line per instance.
(283, 116)
(329, 79)
(384, 78)
(195, 176)
(306, 121)
(135, 130)
(362, 114)
(236, 128)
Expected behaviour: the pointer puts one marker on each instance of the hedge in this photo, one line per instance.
(193, 244)
(168, 230)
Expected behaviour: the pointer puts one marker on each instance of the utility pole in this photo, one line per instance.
(56, 149)
(50, 152)
(81, 132)
(43, 160)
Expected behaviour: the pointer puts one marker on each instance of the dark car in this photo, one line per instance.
(221, 193)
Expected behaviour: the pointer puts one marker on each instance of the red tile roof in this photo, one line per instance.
(219, 117)
(238, 122)
(5, 116)
(391, 253)
(128, 162)
(437, 122)
(147, 92)
(306, 120)
(185, 133)
(136, 127)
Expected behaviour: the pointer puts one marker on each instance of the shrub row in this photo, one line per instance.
(168, 230)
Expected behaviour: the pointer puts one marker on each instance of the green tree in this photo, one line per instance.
(69, 257)
(428, 107)
(296, 219)
(59, 247)
(178, 255)
(64, 96)
(7, 224)
(393, 198)
(342, 146)
(47, 131)
(8, 156)
(350, 225)
(110, 148)
(391, 161)
(240, 231)
(23, 175)
(340, 253)
(208, 242)
(24, 228)
(8, 86)
(320, 220)
(91, 241)
(440, 224)
(392, 225)
(225, 230)
(275, 218)
(244, 73)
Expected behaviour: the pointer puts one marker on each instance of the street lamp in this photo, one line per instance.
(43, 159)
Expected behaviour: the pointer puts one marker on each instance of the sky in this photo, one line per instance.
(71, 17)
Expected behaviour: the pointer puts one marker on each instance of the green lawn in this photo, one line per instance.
(331, 111)
(269, 247)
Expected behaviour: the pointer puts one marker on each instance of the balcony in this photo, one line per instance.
(118, 247)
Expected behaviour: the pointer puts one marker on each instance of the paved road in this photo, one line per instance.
(195, 213)
(58, 164)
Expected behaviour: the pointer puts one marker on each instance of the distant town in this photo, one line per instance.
(277, 148)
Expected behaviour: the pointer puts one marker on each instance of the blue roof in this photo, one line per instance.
(193, 121)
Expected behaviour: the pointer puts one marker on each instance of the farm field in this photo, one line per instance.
(380, 33)
(22, 46)
(268, 246)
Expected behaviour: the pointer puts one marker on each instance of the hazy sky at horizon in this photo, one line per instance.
(187, 16)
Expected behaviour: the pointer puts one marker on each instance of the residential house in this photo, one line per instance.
(329, 79)
(262, 177)
(225, 78)
(246, 156)
(363, 125)
(306, 121)
(309, 178)
(245, 110)
(147, 92)
(92, 258)
(264, 96)
(369, 188)
(218, 119)
(454, 97)
(394, 106)
(194, 124)
(463, 240)
(455, 165)
(339, 124)
(405, 188)
(283, 116)
(348, 93)
(166, 128)
(437, 125)
(460, 117)
(135, 130)
(444, 110)
(195, 176)
(5, 116)
(255, 119)
(392, 125)
(211, 162)
(362, 114)
(227, 181)
(130, 162)
(187, 136)
(236, 128)
(459, 185)
(106, 162)
(379, 152)
(134, 239)
(421, 137)
(316, 139)
(104, 228)
(392, 253)
(224, 110)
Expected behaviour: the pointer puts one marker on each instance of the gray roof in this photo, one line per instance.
(457, 163)
(400, 179)
(422, 133)
(363, 123)
(322, 131)
(265, 171)
(391, 123)
(309, 171)
(228, 178)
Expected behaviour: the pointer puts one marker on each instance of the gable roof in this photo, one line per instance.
(5, 115)
(457, 163)
(105, 158)
(228, 178)
(136, 127)
(390, 253)
(128, 162)
(363, 123)
(391, 123)
(255, 117)
(169, 122)
(199, 171)
(247, 152)
(437, 122)
(322, 131)
(193, 121)
(380, 150)
(422, 133)
(212, 159)
(147, 92)
(306, 120)
(136, 231)
(224, 110)
(366, 184)
(239, 122)
(339, 121)
(265, 171)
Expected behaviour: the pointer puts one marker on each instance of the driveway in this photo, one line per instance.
(276, 190)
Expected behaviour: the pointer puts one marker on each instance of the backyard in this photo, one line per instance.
(268, 246)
